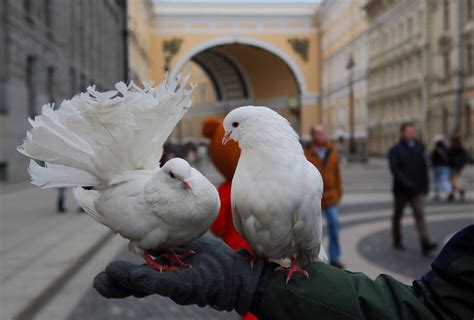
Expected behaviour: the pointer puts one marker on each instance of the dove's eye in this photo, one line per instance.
(172, 175)
(235, 124)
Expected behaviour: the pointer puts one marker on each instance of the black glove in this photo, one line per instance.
(220, 278)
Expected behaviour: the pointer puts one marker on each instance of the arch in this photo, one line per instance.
(292, 65)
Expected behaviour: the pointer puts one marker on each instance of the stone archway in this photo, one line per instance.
(292, 65)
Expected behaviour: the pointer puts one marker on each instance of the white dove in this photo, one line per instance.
(276, 192)
(112, 141)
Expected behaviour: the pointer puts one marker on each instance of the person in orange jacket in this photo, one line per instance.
(324, 156)
(225, 159)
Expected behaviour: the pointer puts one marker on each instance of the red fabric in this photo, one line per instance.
(223, 227)
(249, 316)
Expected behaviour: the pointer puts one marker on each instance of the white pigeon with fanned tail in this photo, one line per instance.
(276, 192)
(113, 141)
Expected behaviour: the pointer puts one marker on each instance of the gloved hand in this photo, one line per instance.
(220, 278)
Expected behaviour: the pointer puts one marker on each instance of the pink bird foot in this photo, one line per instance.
(177, 259)
(155, 265)
(293, 269)
(251, 258)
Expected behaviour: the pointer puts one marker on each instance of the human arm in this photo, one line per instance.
(329, 293)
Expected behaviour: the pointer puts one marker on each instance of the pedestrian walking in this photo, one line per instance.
(410, 185)
(324, 156)
(457, 160)
(440, 164)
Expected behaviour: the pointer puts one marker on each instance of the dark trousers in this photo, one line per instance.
(417, 204)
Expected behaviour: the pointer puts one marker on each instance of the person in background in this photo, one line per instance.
(410, 185)
(191, 150)
(457, 160)
(60, 201)
(225, 159)
(440, 163)
(323, 155)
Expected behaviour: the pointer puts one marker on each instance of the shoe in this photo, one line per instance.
(60, 208)
(450, 198)
(337, 264)
(399, 246)
(427, 247)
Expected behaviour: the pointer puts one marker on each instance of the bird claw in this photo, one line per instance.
(251, 258)
(157, 266)
(291, 270)
(177, 259)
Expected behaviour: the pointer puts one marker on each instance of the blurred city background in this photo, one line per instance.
(360, 68)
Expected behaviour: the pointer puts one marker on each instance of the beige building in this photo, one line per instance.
(140, 15)
(252, 53)
(445, 48)
(413, 69)
(343, 30)
(205, 104)
(398, 69)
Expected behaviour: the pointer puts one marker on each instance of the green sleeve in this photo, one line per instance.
(331, 293)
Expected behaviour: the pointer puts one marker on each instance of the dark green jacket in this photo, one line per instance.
(446, 292)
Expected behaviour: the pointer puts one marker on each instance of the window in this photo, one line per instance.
(470, 58)
(469, 10)
(467, 119)
(27, 10)
(83, 82)
(30, 84)
(400, 31)
(446, 14)
(73, 79)
(50, 84)
(410, 26)
(47, 15)
(446, 65)
(444, 120)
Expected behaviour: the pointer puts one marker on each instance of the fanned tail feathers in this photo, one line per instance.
(97, 136)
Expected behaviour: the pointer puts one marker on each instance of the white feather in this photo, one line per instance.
(108, 133)
(54, 176)
(113, 140)
(276, 192)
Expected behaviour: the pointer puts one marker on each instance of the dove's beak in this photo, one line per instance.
(226, 138)
(187, 183)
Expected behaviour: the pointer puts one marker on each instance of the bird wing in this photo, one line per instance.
(107, 134)
(307, 220)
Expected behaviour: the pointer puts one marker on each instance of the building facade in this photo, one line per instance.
(253, 53)
(421, 69)
(140, 15)
(398, 71)
(452, 54)
(50, 50)
(343, 28)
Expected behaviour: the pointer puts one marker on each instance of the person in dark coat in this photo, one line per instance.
(223, 279)
(440, 164)
(457, 160)
(410, 185)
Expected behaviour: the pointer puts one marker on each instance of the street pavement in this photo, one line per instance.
(48, 260)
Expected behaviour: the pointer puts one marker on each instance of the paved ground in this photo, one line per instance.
(47, 260)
